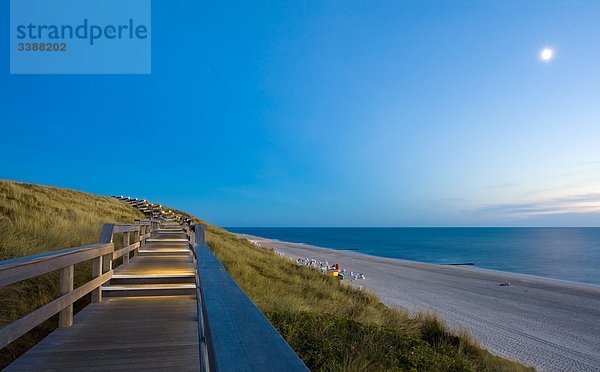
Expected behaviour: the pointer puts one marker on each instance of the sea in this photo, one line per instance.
(570, 254)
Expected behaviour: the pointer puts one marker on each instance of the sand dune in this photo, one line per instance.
(549, 324)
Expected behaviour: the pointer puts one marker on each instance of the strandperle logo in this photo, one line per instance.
(80, 36)
(85, 31)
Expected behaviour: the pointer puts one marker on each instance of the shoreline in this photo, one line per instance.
(548, 323)
(269, 242)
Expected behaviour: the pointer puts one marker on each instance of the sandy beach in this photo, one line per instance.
(549, 324)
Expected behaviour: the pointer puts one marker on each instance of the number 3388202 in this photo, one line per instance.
(42, 47)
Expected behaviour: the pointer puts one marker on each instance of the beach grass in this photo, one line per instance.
(332, 326)
(36, 219)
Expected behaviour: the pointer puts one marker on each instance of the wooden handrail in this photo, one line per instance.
(123, 251)
(233, 331)
(102, 256)
(129, 228)
(18, 269)
(23, 325)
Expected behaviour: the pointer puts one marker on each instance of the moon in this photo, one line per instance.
(547, 54)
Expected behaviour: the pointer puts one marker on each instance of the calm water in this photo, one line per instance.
(562, 253)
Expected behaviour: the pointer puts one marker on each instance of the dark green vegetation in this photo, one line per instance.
(359, 346)
(330, 325)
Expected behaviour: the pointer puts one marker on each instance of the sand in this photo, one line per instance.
(549, 324)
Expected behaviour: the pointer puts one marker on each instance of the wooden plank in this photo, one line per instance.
(15, 270)
(124, 251)
(157, 265)
(19, 327)
(238, 333)
(125, 228)
(65, 316)
(145, 334)
(157, 334)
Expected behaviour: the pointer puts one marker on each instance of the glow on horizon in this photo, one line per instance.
(577, 200)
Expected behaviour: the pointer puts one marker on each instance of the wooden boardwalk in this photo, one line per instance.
(169, 306)
(147, 319)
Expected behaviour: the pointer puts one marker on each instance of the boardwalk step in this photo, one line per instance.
(164, 252)
(120, 279)
(167, 240)
(137, 290)
(166, 245)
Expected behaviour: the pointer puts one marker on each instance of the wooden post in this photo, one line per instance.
(96, 272)
(125, 244)
(203, 234)
(142, 233)
(106, 263)
(65, 316)
(138, 235)
(192, 235)
(199, 234)
(106, 236)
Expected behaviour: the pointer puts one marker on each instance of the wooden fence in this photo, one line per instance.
(64, 261)
(233, 333)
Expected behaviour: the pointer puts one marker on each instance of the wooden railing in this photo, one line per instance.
(234, 333)
(101, 255)
(141, 231)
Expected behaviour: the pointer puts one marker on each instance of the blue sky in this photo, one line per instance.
(346, 113)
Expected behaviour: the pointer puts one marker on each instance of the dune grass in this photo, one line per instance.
(331, 326)
(35, 219)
